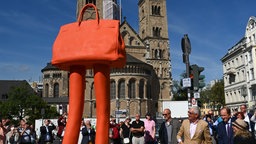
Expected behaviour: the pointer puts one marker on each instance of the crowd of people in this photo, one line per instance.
(237, 127)
(23, 134)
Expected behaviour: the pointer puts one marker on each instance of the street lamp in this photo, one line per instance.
(118, 107)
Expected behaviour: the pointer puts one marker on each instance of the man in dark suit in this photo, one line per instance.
(88, 133)
(224, 130)
(46, 132)
(169, 128)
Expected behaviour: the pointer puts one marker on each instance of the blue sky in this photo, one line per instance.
(29, 27)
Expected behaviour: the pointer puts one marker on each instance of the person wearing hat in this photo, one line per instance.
(150, 129)
(241, 133)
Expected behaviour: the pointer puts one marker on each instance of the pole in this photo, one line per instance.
(76, 104)
(188, 89)
(186, 49)
(102, 91)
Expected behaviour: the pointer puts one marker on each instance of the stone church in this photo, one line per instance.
(145, 81)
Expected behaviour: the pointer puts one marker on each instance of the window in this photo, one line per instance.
(232, 78)
(121, 89)
(156, 53)
(249, 56)
(148, 90)
(91, 1)
(47, 76)
(56, 90)
(156, 10)
(131, 89)
(56, 75)
(92, 92)
(141, 89)
(251, 74)
(156, 31)
(4, 96)
(113, 90)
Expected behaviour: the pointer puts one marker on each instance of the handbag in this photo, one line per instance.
(127, 140)
(88, 43)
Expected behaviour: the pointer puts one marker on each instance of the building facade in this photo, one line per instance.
(145, 81)
(239, 69)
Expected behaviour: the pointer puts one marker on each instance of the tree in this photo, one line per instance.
(179, 94)
(214, 96)
(217, 91)
(23, 102)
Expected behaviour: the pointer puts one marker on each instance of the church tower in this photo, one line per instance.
(108, 9)
(153, 30)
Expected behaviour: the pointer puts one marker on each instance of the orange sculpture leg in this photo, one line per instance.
(102, 91)
(76, 104)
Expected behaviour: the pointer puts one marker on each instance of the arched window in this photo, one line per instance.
(141, 88)
(156, 53)
(56, 90)
(113, 90)
(158, 10)
(121, 89)
(153, 10)
(149, 91)
(92, 92)
(160, 54)
(131, 89)
(154, 31)
(46, 90)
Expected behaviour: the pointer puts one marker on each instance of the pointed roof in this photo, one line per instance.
(48, 67)
(132, 60)
(125, 27)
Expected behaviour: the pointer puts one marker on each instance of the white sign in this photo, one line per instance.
(179, 108)
(186, 82)
(197, 95)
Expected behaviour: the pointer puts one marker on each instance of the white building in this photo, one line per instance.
(239, 69)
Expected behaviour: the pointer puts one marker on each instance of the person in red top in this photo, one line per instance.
(61, 124)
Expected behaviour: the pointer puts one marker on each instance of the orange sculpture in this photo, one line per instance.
(83, 45)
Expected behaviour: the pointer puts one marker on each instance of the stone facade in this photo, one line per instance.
(239, 69)
(144, 83)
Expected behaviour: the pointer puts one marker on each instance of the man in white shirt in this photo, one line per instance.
(247, 118)
(193, 129)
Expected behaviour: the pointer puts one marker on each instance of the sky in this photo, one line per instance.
(28, 29)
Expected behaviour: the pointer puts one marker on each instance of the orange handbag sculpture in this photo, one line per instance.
(89, 42)
(82, 45)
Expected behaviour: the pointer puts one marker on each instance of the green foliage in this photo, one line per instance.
(179, 94)
(214, 96)
(23, 102)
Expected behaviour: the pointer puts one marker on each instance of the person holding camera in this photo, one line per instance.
(210, 119)
(12, 137)
(24, 132)
(46, 132)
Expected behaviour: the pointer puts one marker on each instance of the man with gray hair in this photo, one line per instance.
(193, 129)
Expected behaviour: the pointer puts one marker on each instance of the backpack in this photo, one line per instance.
(115, 132)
